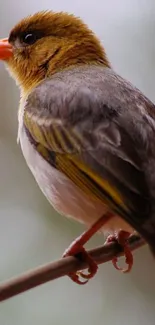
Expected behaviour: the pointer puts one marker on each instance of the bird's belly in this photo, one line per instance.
(62, 193)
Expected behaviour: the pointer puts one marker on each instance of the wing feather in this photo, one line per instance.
(94, 142)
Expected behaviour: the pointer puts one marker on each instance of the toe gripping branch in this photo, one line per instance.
(76, 249)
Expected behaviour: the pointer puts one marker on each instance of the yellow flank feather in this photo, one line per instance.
(50, 139)
(103, 183)
(73, 139)
(60, 140)
(91, 186)
(67, 167)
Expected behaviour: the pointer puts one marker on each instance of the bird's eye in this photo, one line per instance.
(29, 38)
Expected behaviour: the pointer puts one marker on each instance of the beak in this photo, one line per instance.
(6, 50)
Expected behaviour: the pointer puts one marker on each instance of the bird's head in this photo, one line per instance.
(47, 42)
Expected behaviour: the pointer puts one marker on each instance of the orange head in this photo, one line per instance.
(47, 42)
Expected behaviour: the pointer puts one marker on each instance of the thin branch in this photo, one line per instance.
(61, 268)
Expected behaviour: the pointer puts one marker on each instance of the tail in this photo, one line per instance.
(148, 233)
(152, 248)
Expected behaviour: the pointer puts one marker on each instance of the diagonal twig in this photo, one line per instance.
(61, 268)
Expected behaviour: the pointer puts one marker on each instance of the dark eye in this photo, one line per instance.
(29, 38)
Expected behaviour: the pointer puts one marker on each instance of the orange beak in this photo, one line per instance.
(6, 50)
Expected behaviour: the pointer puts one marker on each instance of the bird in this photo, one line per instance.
(86, 133)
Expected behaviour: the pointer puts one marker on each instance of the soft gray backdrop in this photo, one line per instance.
(31, 233)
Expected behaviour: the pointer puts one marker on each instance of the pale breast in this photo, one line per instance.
(63, 195)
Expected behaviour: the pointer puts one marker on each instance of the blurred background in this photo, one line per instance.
(31, 233)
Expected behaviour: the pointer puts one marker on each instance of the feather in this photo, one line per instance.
(94, 124)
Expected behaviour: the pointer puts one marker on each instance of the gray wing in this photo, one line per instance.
(96, 128)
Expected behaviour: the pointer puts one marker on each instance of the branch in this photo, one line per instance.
(61, 268)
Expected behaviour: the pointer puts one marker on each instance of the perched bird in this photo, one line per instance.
(87, 134)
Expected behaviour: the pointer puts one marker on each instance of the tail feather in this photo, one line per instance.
(148, 233)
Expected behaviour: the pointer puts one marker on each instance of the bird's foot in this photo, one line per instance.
(122, 239)
(75, 249)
